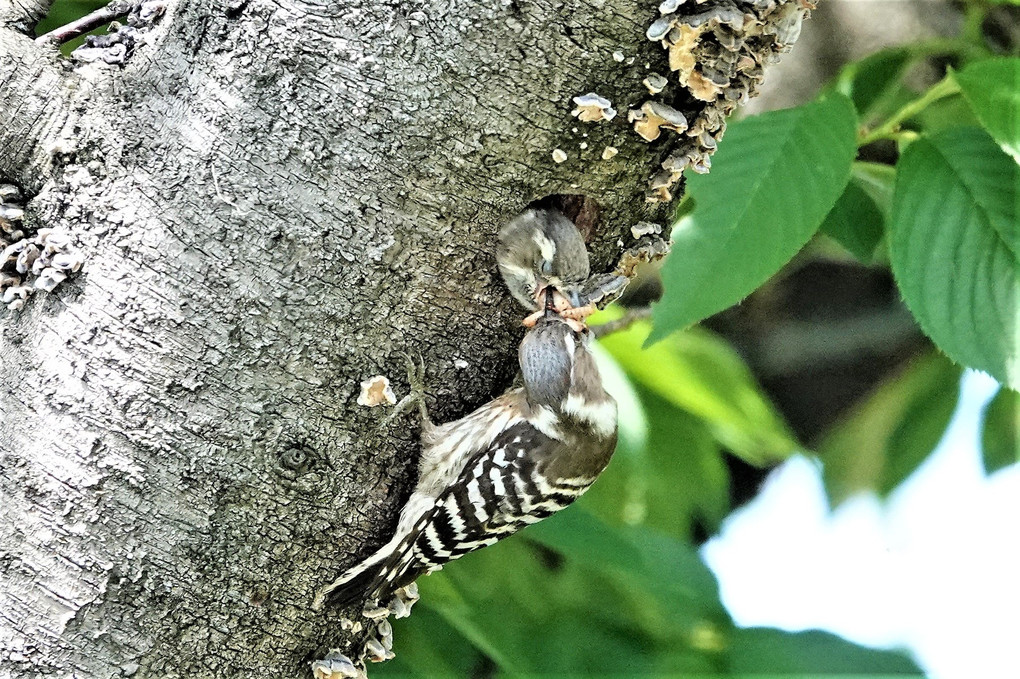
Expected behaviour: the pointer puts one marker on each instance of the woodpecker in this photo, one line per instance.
(514, 461)
(541, 251)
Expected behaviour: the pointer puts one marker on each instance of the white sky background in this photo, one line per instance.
(936, 569)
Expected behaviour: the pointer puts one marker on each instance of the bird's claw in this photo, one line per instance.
(416, 397)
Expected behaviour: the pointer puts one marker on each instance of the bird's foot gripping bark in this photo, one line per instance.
(416, 380)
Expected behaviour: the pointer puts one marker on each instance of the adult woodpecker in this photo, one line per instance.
(512, 462)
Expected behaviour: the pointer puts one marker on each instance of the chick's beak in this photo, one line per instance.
(541, 295)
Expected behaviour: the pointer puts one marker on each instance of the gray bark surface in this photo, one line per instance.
(274, 199)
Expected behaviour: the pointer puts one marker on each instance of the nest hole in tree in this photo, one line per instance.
(584, 211)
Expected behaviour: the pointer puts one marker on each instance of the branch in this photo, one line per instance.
(628, 319)
(91, 21)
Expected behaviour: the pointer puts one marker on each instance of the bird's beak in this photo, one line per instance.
(550, 302)
(557, 301)
(573, 296)
(541, 295)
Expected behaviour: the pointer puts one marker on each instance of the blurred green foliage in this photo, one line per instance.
(999, 441)
(882, 439)
(614, 586)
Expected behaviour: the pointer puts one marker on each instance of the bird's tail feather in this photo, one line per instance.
(376, 577)
(341, 594)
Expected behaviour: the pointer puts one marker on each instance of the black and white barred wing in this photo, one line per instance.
(500, 491)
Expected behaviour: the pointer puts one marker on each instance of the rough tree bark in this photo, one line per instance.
(274, 200)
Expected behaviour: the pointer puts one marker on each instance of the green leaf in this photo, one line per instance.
(669, 570)
(1000, 438)
(878, 181)
(954, 239)
(758, 652)
(572, 595)
(874, 80)
(883, 439)
(774, 179)
(992, 88)
(855, 222)
(699, 373)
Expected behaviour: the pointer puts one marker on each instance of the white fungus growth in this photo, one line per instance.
(669, 6)
(645, 229)
(655, 83)
(559, 155)
(618, 56)
(653, 116)
(378, 646)
(49, 279)
(376, 651)
(38, 262)
(335, 665)
(376, 391)
(609, 152)
(591, 108)
(375, 612)
(403, 600)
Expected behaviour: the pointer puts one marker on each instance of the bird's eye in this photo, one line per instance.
(545, 268)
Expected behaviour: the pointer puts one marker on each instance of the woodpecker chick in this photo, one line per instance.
(542, 249)
(516, 460)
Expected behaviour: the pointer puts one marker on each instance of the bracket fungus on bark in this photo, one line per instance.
(717, 50)
(335, 665)
(40, 261)
(376, 391)
(655, 83)
(645, 229)
(118, 44)
(377, 646)
(592, 108)
(654, 117)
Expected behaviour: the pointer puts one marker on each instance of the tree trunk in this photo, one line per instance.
(274, 200)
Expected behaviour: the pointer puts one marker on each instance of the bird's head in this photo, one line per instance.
(560, 374)
(542, 250)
